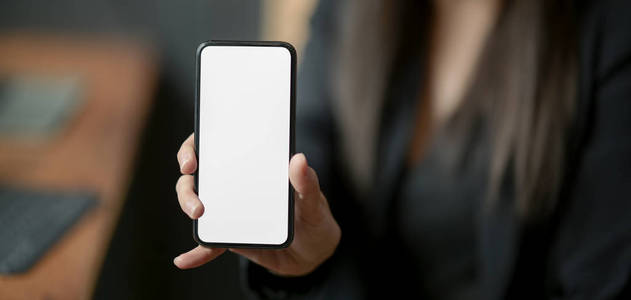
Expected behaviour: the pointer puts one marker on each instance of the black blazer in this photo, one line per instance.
(583, 253)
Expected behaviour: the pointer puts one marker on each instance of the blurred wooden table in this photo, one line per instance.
(95, 151)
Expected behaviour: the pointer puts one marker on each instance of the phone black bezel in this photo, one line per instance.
(292, 117)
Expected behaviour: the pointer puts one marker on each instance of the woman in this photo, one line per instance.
(467, 149)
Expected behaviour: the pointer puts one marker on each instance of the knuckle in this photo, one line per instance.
(188, 193)
(179, 151)
(177, 185)
(178, 156)
(180, 184)
(187, 149)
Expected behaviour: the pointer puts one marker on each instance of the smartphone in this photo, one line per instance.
(244, 138)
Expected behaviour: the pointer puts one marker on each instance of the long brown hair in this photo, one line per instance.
(523, 88)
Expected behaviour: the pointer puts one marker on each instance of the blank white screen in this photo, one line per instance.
(244, 125)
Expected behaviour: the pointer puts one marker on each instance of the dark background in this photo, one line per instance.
(151, 229)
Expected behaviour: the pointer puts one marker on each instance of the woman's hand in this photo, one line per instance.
(316, 233)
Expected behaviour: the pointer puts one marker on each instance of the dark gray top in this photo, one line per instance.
(435, 218)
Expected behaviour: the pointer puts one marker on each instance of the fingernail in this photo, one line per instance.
(308, 174)
(176, 260)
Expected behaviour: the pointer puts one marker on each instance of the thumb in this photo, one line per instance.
(304, 179)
